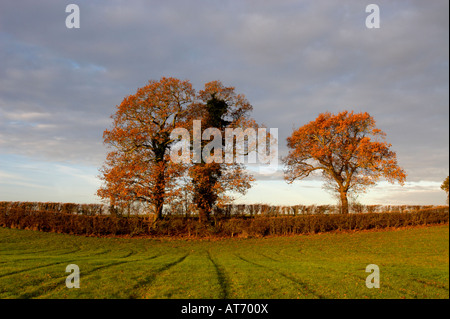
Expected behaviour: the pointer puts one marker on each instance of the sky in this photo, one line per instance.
(292, 60)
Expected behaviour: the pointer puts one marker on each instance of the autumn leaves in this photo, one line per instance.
(139, 167)
(349, 151)
(347, 148)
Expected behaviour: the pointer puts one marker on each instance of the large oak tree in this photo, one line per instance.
(138, 168)
(349, 151)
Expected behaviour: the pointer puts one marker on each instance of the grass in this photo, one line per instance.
(413, 262)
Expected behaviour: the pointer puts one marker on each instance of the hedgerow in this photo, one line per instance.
(68, 219)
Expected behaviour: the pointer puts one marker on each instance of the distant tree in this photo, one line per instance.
(139, 167)
(444, 186)
(349, 151)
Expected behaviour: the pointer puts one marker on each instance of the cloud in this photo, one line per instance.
(293, 60)
(412, 193)
(18, 180)
(25, 179)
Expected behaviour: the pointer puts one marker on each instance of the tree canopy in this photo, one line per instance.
(220, 108)
(347, 148)
(139, 166)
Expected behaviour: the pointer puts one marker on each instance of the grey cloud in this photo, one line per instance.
(293, 60)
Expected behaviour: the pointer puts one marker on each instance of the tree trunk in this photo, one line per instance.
(159, 190)
(344, 203)
(112, 210)
(158, 210)
(203, 215)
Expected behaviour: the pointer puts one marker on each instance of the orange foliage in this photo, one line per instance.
(347, 148)
(221, 108)
(139, 166)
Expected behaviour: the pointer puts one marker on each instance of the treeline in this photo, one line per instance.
(231, 210)
(178, 226)
(236, 210)
(67, 208)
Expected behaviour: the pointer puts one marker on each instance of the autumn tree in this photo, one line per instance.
(444, 186)
(349, 151)
(220, 108)
(138, 168)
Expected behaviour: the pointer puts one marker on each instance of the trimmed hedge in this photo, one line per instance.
(258, 226)
(231, 210)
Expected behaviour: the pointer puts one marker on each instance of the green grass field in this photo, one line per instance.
(414, 263)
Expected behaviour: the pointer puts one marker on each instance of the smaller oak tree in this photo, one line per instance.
(138, 168)
(347, 148)
(211, 183)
